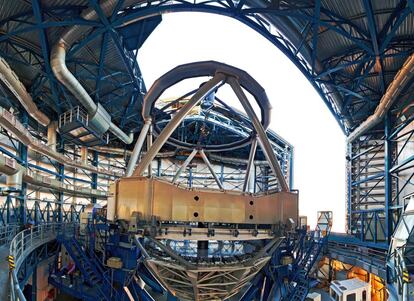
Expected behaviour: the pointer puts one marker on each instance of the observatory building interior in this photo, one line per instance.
(180, 191)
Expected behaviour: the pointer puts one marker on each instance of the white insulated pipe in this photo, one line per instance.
(15, 180)
(137, 148)
(176, 120)
(11, 80)
(52, 135)
(394, 89)
(62, 73)
(99, 116)
(84, 155)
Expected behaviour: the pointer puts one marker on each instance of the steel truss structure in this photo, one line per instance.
(380, 173)
(350, 51)
(350, 81)
(344, 78)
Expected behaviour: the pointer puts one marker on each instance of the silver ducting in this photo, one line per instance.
(14, 172)
(394, 89)
(111, 150)
(100, 120)
(52, 135)
(84, 155)
(11, 80)
(15, 180)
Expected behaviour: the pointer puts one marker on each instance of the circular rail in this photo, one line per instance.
(26, 242)
(206, 69)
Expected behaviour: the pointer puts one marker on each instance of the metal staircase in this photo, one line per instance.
(400, 262)
(300, 290)
(304, 263)
(299, 286)
(91, 270)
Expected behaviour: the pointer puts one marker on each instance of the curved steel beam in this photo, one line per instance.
(177, 119)
(300, 57)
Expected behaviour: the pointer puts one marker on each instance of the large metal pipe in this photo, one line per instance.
(15, 180)
(84, 155)
(262, 137)
(176, 120)
(11, 80)
(394, 89)
(184, 166)
(52, 135)
(137, 148)
(99, 117)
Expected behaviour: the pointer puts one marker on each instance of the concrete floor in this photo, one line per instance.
(4, 272)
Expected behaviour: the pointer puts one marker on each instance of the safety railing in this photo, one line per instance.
(375, 257)
(401, 276)
(75, 114)
(7, 233)
(24, 243)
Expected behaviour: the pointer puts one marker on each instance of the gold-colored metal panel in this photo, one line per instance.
(134, 196)
(151, 197)
(164, 193)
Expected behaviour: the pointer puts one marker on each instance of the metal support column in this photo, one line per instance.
(291, 169)
(137, 148)
(388, 178)
(8, 208)
(210, 167)
(349, 188)
(61, 178)
(250, 164)
(94, 183)
(23, 191)
(149, 144)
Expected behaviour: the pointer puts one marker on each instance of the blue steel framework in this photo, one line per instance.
(275, 282)
(350, 80)
(26, 205)
(370, 49)
(349, 52)
(380, 179)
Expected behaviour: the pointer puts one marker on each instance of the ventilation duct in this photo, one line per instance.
(11, 80)
(100, 119)
(394, 89)
(14, 181)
